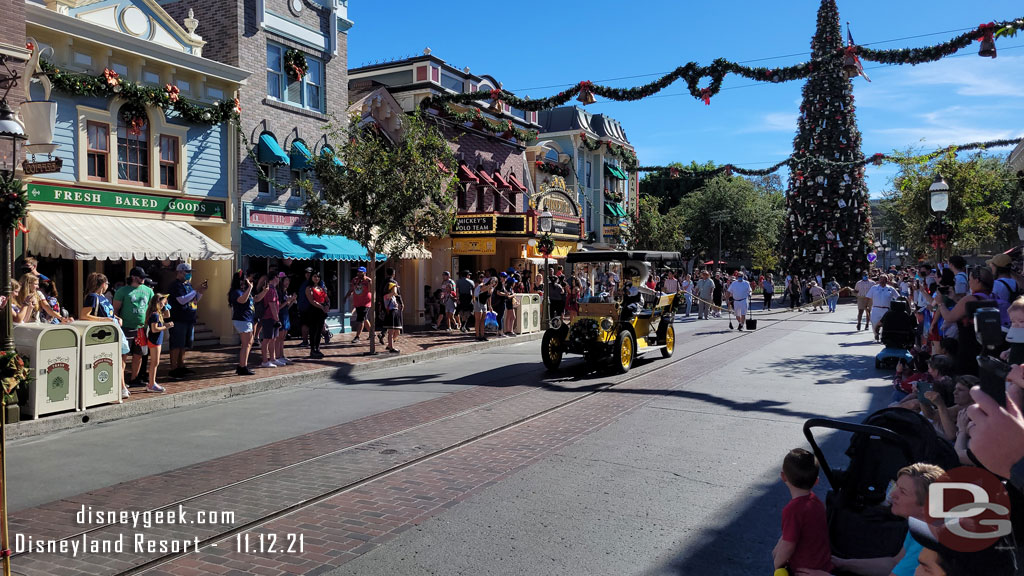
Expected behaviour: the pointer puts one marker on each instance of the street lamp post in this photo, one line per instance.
(544, 222)
(718, 217)
(12, 134)
(939, 201)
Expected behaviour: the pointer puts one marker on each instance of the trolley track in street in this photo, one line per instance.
(542, 386)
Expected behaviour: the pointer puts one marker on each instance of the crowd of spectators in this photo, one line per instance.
(941, 380)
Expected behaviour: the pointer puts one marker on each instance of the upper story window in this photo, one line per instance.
(587, 177)
(307, 92)
(119, 68)
(99, 150)
(169, 162)
(133, 154)
(150, 77)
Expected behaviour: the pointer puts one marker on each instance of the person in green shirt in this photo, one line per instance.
(130, 304)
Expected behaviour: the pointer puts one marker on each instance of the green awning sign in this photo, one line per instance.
(125, 201)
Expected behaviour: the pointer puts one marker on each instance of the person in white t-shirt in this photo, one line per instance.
(740, 291)
(881, 296)
(686, 287)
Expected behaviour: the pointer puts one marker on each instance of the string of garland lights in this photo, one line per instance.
(137, 96)
(694, 74)
(876, 159)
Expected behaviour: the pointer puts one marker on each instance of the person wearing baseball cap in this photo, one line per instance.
(360, 289)
(131, 302)
(1005, 287)
(938, 559)
(184, 300)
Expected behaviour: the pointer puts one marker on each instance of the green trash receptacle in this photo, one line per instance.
(100, 376)
(53, 354)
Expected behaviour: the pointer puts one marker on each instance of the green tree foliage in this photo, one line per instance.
(645, 226)
(755, 219)
(389, 196)
(986, 202)
(669, 189)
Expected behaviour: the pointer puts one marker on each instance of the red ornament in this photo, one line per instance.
(30, 47)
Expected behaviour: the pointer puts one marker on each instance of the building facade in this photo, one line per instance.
(497, 209)
(594, 157)
(140, 184)
(296, 52)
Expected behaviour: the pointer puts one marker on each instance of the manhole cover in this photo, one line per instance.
(389, 451)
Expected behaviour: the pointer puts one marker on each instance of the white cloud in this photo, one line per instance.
(969, 76)
(774, 122)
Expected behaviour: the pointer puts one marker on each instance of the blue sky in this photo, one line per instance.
(535, 51)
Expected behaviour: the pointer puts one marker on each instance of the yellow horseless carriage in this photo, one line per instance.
(621, 318)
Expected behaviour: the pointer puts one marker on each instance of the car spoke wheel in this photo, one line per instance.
(551, 350)
(626, 351)
(670, 342)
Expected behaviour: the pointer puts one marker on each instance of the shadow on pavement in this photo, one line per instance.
(839, 366)
(743, 546)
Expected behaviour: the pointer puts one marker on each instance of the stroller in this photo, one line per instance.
(859, 522)
(897, 334)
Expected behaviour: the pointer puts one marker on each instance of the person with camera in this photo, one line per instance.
(184, 306)
(980, 286)
(242, 317)
(270, 322)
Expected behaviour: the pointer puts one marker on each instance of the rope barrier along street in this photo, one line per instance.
(750, 312)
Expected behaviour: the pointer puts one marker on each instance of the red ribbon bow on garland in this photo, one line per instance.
(112, 78)
(986, 31)
(172, 92)
(21, 229)
(238, 107)
(298, 73)
(705, 95)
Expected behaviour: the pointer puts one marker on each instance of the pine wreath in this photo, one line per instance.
(295, 64)
(13, 202)
(133, 114)
(545, 245)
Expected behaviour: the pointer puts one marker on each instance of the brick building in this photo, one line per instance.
(497, 204)
(284, 119)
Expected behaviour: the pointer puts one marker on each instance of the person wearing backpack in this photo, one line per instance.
(1006, 289)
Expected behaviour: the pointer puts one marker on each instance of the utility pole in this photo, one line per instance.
(718, 217)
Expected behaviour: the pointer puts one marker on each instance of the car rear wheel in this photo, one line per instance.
(625, 348)
(670, 342)
(551, 350)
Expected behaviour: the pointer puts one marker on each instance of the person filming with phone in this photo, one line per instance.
(184, 300)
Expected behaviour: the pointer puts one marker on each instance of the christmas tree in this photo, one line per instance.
(828, 229)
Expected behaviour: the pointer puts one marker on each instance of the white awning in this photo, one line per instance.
(93, 237)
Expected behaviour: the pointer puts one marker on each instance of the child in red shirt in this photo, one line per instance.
(804, 542)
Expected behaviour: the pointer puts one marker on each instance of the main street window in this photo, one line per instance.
(307, 92)
(133, 154)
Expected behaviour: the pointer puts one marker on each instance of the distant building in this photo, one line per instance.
(497, 209)
(1016, 159)
(592, 147)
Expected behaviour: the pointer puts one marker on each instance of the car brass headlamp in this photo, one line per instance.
(556, 323)
(607, 324)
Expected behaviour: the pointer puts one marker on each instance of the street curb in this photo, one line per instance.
(111, 412)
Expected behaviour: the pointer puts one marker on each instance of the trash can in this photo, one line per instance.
(528, 314)
(53, 354)
(100, 374)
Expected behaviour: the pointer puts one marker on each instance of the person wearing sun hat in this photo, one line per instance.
(1005, 287)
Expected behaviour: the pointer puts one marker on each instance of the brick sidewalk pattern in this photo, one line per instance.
(353, 522)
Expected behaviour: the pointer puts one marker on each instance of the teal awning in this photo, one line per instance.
(300, 156)
(328, 151)
(615, 172)
(613, 209)
(268, 151)
(301, 246)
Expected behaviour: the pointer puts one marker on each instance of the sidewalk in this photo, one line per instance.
(215, 377)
